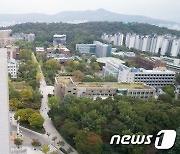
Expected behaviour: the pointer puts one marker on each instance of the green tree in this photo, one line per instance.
(95, 66)
(15, 104)
(36, 120)
(26, 94)
(53, 101)
(45, 148)
(24, 114)
(52, 64)
(88, 142)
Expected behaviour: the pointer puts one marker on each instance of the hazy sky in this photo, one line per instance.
(161, 9)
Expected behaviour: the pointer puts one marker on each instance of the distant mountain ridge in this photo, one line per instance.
(89, 15)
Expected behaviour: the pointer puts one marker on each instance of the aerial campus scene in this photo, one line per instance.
(90, 77)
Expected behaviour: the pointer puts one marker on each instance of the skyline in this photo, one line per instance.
(169, 10)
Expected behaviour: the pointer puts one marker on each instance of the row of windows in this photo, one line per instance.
(153, 81)
(155, 74)
(154, 78)
(141, 93)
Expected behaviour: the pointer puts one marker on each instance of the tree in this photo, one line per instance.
(24, 114)
(110, 79)
(18, 142)
(14, 94)
(15, 104)
(176, 148)
(88, 142)
(52, 64)
(54, 138)
(78, 74)
(35, 143)
(169, 90)
(53, 101)
(95, 66)
(93, 59)
(45, 148)
(36, 120)
(166, 98)
(26, 94)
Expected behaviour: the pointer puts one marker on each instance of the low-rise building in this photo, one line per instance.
(149, 63)
(12, 68)
(86, 48)
(64, 85)
(102, 61)
(40, 50)
(59, 39)
(171, 63)
(98, 48)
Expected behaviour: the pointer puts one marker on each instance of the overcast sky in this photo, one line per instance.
(160, 9)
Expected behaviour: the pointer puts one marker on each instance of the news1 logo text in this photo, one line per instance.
(165, 139)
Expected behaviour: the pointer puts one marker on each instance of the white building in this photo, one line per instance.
(4, 104)
(59, 39)
(175, 50)
(12, 68)
(171, 63)
(155, 78)
(165, 45)
(131, 41)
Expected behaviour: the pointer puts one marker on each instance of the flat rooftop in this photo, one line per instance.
(64, 79)
(105, 59)
(113, 85)
(68, 80)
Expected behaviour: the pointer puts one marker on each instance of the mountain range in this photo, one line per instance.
(84, 16)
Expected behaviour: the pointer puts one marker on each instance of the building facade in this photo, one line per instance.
(102, 50)
(64, 85)
(86, 48)
(156, 77)
(59, 39)
(12, 68)
(4, 104)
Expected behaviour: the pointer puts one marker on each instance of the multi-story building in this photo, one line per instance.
(40, 50)
(171, 63)
(59, 39)
(175, 50)
(102, 50)
(5, 33)
(13, 51)
(156, 77)
(86, 48)
(156, 44)
(102, 61)
(7, 41)
(26, 37)
(148, 63)
(12, 68)
(4, 105)
(116, 39)
(64, 85)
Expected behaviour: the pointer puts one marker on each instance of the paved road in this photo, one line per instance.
(29, 135)
(49, 127)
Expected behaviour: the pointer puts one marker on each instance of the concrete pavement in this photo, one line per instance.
(48, 125)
